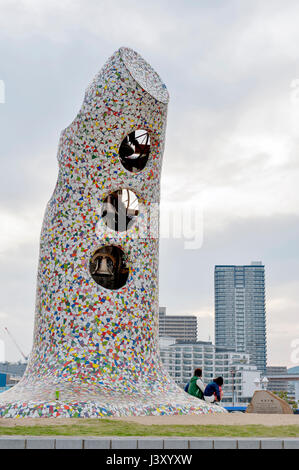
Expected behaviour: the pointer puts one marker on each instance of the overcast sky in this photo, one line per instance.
(231, 151)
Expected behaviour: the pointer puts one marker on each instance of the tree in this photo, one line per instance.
(284, 396)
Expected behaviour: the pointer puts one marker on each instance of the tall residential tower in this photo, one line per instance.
(240, 312)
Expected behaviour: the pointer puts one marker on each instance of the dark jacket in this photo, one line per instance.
(212, 388)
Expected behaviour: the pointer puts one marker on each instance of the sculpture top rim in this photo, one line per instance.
(144, 74)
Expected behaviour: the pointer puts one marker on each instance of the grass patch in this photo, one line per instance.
(105, 427)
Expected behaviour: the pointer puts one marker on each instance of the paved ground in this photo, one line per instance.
(229, 419)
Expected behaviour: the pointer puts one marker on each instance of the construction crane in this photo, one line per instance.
(16, 344)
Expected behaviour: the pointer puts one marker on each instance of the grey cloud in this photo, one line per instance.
(228, 67)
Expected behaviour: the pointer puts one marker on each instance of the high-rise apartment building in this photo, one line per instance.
(181, 327)
(240, 312)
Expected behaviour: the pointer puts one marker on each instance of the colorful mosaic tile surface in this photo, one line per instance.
(95, 351)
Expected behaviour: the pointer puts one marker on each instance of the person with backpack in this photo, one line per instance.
(213, 391)
(196, 386)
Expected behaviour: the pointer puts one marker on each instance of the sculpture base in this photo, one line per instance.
(92, 409)
(35, 398)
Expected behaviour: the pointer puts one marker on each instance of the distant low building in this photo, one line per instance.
(183, 328)
(277, 385)
(181, 359)
(13, 368)
(293, 391)
(8, 380)
(10, 374)
(239, 375)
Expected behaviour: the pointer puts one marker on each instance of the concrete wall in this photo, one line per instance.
(14, 442)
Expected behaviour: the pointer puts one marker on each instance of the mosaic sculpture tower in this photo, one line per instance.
(95, 350)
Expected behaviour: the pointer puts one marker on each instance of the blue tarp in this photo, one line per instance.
(230, 409)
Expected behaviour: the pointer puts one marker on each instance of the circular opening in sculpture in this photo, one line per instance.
(120, 210)
(108, 267)
(134, 150)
